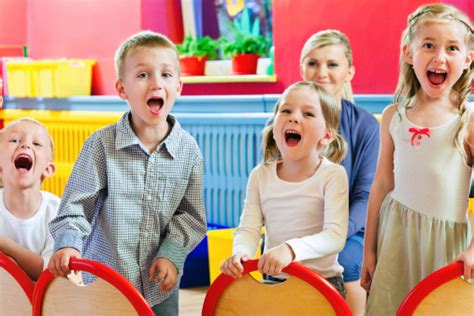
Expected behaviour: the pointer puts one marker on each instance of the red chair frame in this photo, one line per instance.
(294, 269)
(18, 274)
(428, 285)
(100, 270)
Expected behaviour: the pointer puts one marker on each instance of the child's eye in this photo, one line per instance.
(310, 114)
(333, 65)
(37, 144)
(311, 63)
(428, 45)
(142, 75)
(453, 48)
(167, 75)
(13, 140)
(285, 111)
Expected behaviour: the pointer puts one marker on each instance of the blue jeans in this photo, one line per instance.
(351, 257)
(169, 307)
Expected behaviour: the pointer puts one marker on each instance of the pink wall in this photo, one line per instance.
(93, 29)
(13, 22)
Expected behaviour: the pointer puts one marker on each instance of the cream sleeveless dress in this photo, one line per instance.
(423, 221)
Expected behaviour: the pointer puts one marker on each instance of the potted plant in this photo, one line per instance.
(245, 51)
(194, 52)
(248, 45)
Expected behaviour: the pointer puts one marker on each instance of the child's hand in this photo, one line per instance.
(233, 265)
(368, 270)
(468, 258)
(59, 262)
(164, 272)
(274, 260)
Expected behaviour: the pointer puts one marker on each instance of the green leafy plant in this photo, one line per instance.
(199, 47)
(245, 44)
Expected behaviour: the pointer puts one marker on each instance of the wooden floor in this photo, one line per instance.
(190, 301)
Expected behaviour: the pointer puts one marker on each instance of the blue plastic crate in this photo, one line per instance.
(196, 266)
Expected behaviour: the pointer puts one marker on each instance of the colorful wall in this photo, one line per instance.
(94, 29)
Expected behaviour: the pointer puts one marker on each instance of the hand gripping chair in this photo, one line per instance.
(16, 288)
(441, 293)
(109, 294)
(303, 293)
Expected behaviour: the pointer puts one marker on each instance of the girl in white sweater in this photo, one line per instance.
(299, 195)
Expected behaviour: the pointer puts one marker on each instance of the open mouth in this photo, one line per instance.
(23, 161)
(155, 104)
(437, 77)
(292, 137)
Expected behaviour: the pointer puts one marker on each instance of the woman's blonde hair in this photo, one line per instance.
(408, 84)
(326, 38)
(336, 150)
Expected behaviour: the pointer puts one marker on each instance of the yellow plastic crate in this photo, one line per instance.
(49, 78)
(219, 244)
(69, 130)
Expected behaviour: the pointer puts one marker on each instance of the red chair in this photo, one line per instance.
(16, 288)
(109, 294)
(441, 293)
(303, 293)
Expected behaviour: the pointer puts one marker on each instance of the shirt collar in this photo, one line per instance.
(126, 136)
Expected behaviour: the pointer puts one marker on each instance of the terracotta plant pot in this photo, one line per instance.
(245, 64)
(192, 65)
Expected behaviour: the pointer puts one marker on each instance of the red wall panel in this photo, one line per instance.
(94, 29)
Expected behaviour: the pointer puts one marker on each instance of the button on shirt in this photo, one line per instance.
(124, 206)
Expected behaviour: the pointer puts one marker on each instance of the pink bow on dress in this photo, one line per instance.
(418, 134)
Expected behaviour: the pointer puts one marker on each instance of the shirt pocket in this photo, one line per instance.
(174, 190)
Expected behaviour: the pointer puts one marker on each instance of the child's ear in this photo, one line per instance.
(327, 138)
(407, 54)
(49, 170)
(469, 58)
(180, 86)
(120, 89)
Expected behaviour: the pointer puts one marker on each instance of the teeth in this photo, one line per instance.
(292, 132)
(438, 71)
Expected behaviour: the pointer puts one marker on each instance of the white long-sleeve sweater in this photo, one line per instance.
(311, 216)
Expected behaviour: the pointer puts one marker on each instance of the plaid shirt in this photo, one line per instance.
(124, 206)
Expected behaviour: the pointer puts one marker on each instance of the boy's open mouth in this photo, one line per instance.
(437, 77)
(155, 104)
(23, 161)
(292, 137)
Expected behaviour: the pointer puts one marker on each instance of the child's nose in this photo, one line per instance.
(156, 83)
(25, 146)
(294, 118)
(440, 56)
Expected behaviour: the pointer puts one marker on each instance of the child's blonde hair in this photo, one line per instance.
(326, 38)
(408, 84)
(139, 40)
(30, 120)
(336, 150)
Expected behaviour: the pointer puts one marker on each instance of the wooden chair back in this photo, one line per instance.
(303, 293)
(441, 293)
(109, 294)
(16, 288)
